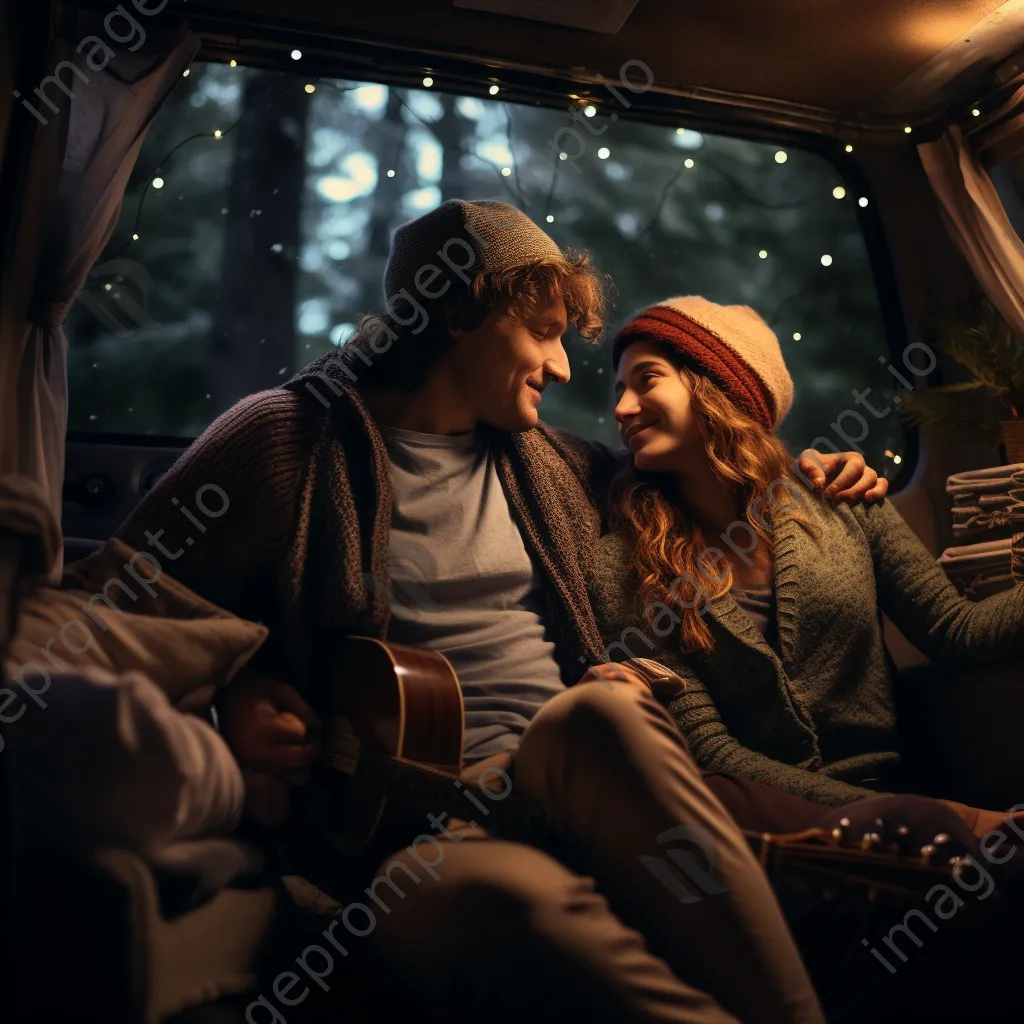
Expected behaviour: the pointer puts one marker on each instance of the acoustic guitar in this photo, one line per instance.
(392, 747)
(392, 751)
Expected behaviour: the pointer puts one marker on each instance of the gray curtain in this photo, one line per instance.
(95, 125)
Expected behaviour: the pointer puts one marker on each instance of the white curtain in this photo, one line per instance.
(100, 136)
(977, 222)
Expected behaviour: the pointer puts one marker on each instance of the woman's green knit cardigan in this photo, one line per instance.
(819, 721)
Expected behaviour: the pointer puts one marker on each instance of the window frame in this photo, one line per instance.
(268, 46)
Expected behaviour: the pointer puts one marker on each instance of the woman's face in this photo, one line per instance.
(656, 421)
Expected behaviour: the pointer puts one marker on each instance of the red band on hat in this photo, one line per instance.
(668, 327)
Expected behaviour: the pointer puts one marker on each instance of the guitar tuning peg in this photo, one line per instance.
(927, 852)
(940, 839)
(845, 822)
(870, 840)
(879, 824)
(901, 845)
(837, 834)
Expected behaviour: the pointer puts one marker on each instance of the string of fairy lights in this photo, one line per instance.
(508, 174)
(688, 163)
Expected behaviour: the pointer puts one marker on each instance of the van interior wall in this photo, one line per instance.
(933, 280)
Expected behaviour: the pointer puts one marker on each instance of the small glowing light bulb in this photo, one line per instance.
(590, 110)
(296, 55)
(506, 171)
(158, 183)
(494, 90)
(763, 254)
(863, 201)
(849, 148)
(826, 260)
(550, 218)
(427, 82)
(797, 335)
(311, 88)
(839, 192)
(184, 73)
(217, 133)
(781, 156)
(688, 162)
(234, 63)
(603, 153)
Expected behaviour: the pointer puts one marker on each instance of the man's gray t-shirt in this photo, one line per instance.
(463, 583)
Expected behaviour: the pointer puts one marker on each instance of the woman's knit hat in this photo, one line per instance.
(730, 344)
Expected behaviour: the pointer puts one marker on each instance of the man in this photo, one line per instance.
(405, 488)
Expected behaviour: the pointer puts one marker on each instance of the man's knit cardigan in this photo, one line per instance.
(303, 544)
(818, 721)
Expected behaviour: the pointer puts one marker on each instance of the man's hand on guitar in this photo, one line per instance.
(269, 727)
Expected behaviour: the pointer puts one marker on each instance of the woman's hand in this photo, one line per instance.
(980, 821)
(843, 477)
(270, 729)
(613, 673)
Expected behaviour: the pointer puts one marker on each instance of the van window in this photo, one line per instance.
(255, 231)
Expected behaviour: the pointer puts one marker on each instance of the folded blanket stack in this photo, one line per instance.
(987, 499)
(989, 503)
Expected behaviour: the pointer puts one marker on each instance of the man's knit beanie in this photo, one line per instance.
(730, 344)
(456, 241)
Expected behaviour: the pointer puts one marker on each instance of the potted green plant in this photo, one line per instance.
(989, 405)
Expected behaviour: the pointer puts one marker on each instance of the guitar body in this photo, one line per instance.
(392, 702)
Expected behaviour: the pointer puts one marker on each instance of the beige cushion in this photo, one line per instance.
(130, 617)
(98, 676)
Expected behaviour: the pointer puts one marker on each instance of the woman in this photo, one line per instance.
(764, 598)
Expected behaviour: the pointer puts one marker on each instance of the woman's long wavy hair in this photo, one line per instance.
(666, 543)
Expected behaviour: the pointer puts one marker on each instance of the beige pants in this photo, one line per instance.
(617, 921)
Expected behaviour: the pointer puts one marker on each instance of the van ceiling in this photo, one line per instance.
(861, 59)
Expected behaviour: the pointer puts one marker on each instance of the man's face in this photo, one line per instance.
(501, 367)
